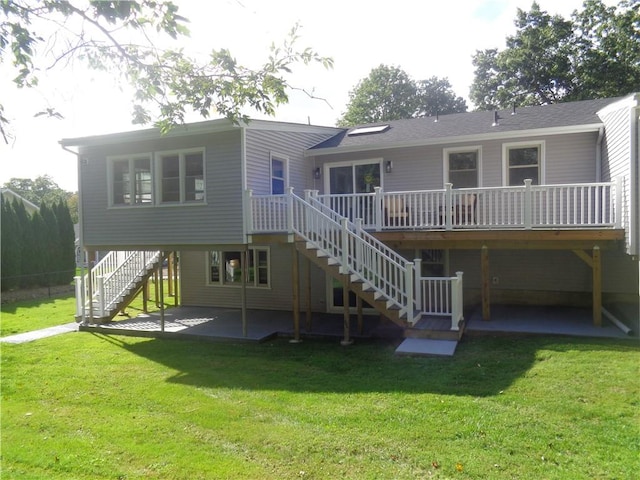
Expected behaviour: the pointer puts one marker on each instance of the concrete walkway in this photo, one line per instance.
(38, 334)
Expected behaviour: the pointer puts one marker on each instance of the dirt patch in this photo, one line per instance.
(36, 293)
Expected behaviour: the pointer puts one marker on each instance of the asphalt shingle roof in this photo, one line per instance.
(415, 130)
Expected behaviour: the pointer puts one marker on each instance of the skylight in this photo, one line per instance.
(365, 130)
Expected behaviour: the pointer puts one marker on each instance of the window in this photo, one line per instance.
(225, 267)
(433, 263)
(462, 167)
(181, 177)
(131, 181)
(522, 161)
(278, 175)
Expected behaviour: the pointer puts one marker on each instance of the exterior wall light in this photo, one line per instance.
(316, 173)
(388, 166)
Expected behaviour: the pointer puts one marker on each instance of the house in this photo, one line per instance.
(10, 196)
(415, 219)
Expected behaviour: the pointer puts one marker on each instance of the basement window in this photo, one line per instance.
(225, 267)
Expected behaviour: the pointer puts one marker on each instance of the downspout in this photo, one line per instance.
(80, 232)
(634, 180)
(599, 155)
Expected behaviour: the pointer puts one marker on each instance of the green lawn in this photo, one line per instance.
(88, 406)
(25, 316)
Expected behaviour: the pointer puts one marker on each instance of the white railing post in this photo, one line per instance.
(378, 221)
(456, 301)
(417, 284)
(448, 206)
(618, 205)
(248, 219)
(101, 299)
(528, 203)
(344, 250)
(357, 260)
(409, 276)
(79, 296)
(290, 210)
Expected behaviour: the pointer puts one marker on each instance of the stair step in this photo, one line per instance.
(427, 347)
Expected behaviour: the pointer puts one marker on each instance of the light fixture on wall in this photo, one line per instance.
(316, 173)
(388, 167)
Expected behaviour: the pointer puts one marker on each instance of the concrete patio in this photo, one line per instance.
(221, 324)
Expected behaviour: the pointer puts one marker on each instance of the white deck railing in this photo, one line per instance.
(360, 254)
(524, 207)
(111, 278)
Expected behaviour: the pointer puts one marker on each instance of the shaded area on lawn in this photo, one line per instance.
(481, 367)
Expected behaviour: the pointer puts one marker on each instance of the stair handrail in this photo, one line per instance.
(389, 275)
(310, 196)
(112, 275)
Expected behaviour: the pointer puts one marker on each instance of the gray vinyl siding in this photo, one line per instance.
(261, 143)
(219, 220)
(196, 290)
(545, 270)
(569, 158)
(616, 162)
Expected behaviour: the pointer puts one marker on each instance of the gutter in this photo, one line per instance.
(83, 318)
(599, 155)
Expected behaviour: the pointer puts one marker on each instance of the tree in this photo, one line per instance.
(551, 59)
(10, 241)
(67, 236)
(437, 97)
(41, 190)
(607, 43)
(120, 37)
(388, 93)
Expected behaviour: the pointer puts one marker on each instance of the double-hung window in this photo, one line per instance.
(181, 177)
(131, 180)
(278, 174)
(462, 167)
(225, 267)
(523, 161)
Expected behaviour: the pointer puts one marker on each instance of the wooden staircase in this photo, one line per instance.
(116, 281)
(332, 268)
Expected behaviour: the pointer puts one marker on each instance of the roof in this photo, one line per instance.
(557, 118)
(10, 195)
(205, 127)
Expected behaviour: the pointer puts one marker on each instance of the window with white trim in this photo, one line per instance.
(522, 161)
(181, 177)
(225, 267)
(278, 174)
(462, 167)
(131, 181)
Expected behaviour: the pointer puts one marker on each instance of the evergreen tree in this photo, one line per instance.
(67, 236)
(49, 244)
(11, 251)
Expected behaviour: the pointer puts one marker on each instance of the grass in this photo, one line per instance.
(25, 316)
(87, 406)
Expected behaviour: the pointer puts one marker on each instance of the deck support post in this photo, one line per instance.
(347, 316)
(360, 317)
(170, 274)
(295, 302)
(175, 279)
(597, 287)
(595, 262)
(145, 296)
(160, 289)
(243, 291)
(486, 283)
(90, 257)
(308, 268)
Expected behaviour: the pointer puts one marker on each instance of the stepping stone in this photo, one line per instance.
(427, 347)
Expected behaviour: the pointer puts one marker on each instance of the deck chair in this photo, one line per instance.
(466, 210)
(396, 212)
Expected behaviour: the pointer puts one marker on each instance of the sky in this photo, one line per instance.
(423, 38)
